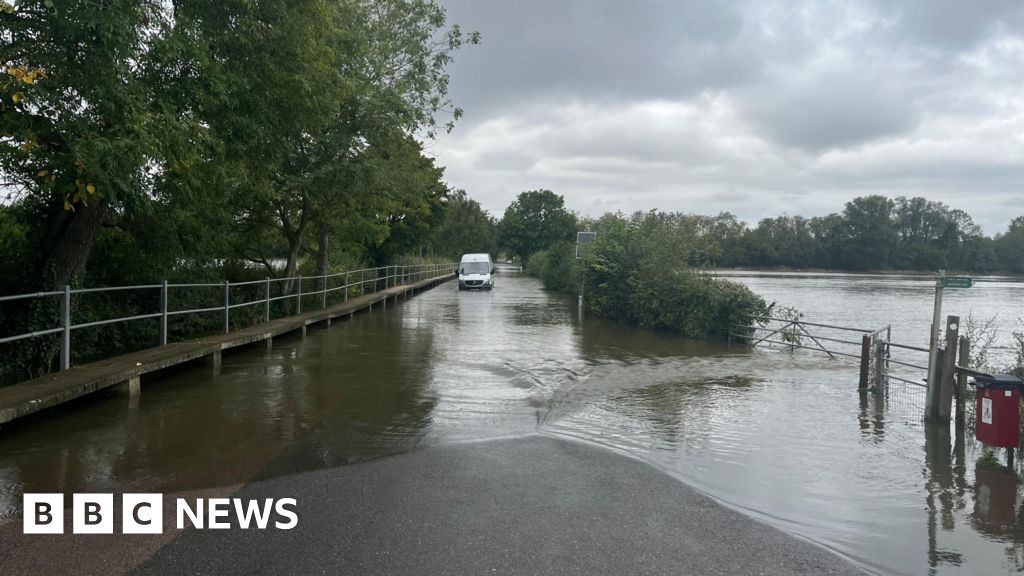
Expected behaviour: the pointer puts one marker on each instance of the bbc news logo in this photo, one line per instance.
(144, 513)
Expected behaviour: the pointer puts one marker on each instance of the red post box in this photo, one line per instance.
(998, 411)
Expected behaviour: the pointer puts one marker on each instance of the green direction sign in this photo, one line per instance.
(955, 282)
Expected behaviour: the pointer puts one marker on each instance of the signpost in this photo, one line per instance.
(941, 282)
(955, 281)
(582, 239)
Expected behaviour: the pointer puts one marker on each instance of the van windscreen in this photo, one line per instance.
(476, 268)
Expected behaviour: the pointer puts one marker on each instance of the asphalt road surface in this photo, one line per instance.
(533, 505)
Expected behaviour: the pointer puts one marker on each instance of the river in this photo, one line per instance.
(785, 437)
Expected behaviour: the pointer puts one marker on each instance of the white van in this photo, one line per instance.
(476, 271)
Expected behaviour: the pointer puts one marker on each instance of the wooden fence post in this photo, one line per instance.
(865, 360)
(963, 359)
(941, 394)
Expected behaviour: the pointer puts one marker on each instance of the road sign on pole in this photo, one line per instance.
(941, 282)
(582, 239)
(956, 281)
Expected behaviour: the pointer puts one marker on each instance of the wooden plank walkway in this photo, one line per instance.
(32, 396)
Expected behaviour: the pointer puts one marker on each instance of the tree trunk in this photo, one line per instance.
(294, 239)
(69, 240)
(64, 252)
(322, 236)
(292, 263)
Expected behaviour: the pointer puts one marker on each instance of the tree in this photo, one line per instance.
(396, 59)
(535, 220)
(407, 197)
(1010, 247)
(343, 89)
(869, 232)
(724, 234)
(466, 228)
(81, 134)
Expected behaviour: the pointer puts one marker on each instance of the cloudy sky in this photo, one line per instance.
(756, 107)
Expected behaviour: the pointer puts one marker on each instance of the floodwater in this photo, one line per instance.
(904, 302)
(785, 437)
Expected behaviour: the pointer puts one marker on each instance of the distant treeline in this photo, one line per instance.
(871, 233)
(650, 268)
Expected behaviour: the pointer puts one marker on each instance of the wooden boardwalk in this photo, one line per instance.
(126, 370)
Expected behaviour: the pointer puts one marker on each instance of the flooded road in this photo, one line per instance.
(784, 437)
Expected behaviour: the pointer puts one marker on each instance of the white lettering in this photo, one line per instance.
(219, 509)
(195, 516)
(282, 511)
(253, 510)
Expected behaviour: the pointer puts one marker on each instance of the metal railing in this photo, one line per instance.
(793, 333)
(358, 281)
(837, 342)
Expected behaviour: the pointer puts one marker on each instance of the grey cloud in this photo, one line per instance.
(950, 25)
(753, 106)
(611, 50)
(843, 106)
(730, 196)
(504, 160)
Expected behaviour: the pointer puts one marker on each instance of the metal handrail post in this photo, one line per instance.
(65, 318)
(266, 302)
(346, 286)
(163, 314)
(298, 296)
(227, 306)
(323, 294)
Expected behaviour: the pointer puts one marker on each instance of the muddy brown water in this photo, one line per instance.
(785, 437)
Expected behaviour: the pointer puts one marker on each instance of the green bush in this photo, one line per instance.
(638, 271)
(556, 267)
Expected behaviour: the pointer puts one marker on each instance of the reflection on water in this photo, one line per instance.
(786, 437)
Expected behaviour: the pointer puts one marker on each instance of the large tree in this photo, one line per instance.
(371, 75)
(466, 228)
(535, 220)
(82, 138)
(1010, 247)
